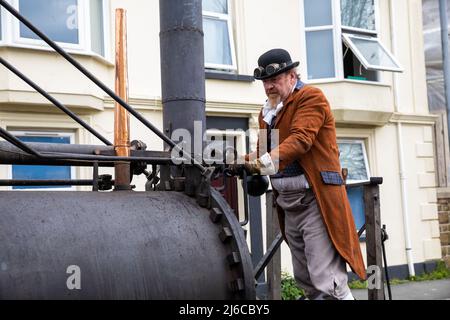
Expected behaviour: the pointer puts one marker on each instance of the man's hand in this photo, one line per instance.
(262, 166)
(253, 167)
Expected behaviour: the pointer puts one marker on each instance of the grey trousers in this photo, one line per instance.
(318, 267)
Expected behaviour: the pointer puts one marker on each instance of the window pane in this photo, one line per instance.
(356, 199)
(358, 14)
(41, 172)
(217, 42)
(318, 13)
(58, 19)
(0, 23)
(373, 54)
(320, 54)
(97, 33)
(219, 6)
(352, 157)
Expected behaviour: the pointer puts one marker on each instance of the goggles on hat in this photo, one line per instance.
(269, 69)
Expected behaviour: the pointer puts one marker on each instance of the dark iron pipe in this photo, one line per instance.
(100, 84)
(61, 148)
(245, 187)
(183, 76)
(384, 237)
(276, 243)
(16, 142)
(54, 101)
(45, 153)
(20, 183)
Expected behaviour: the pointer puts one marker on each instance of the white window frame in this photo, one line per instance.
(361, 30)
(38, 133)
(11, 31)
(228, 19)
(334, 21)
(366, 160)
(348, 41)
(83, 24)
(339, 30)
(2, 25)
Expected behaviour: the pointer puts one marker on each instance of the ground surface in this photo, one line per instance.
(415, 290)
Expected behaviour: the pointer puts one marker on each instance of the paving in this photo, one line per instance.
(414, 290)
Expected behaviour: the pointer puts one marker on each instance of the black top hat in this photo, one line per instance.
(273, 63)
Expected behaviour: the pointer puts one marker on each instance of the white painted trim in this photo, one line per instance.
(319, 28)
(369, 137)
(2, 24)
(335, 80)
(366, 162)
(107, 43)
(228, 20)
(349, 42)
(81, 45)
(11, 32)
(375, 32)
(303, 51)
(305, 29)
(338, 55)
(338, 31)
(359, 30)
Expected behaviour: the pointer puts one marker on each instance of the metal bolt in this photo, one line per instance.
(226, 234)
(233, 258)
(215, 215)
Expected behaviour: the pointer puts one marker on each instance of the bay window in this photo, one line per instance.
(342, 40)
(77, 25)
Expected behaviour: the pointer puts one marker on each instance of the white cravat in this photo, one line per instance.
(269, 112)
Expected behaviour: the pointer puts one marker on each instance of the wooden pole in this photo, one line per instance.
(274, 266)
(373, 241)
(121, 116)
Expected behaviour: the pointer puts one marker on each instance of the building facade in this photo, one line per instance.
(365, 56)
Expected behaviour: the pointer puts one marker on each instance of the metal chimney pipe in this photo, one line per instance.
(183, 77)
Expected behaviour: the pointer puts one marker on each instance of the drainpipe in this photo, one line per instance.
(445, 55)
(401, 156)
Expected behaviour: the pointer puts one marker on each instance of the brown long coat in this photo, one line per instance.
(307, 134)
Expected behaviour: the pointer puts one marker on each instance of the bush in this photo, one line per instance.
(289, 288)
(441, 272)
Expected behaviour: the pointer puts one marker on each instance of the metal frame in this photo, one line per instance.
(58, 156)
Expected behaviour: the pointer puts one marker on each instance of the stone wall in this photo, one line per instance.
(444, 227)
